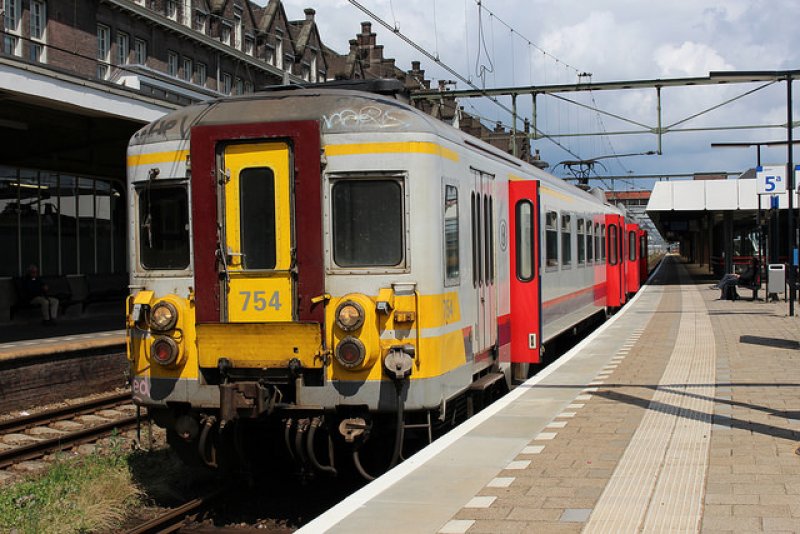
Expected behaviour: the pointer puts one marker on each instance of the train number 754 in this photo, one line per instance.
(259, 302)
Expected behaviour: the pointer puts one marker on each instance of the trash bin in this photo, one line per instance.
(776, 283)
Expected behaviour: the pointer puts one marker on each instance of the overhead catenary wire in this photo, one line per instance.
(452, 71)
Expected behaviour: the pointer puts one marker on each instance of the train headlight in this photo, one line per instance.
(164, 350)
(350, 352)
(163, 316)
(349, 316)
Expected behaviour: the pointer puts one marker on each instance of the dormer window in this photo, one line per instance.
(237, 27)
(186, 13)
(201, 22)
(225, 34)
(172, 9)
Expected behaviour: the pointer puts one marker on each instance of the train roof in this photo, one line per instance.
(338, 110)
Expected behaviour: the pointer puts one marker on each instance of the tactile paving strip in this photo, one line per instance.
(658, 483)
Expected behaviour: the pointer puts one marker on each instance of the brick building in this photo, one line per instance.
(79, 77)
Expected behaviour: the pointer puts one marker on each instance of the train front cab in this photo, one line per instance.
(632, 267)
(615, 263)
(525, 279)
(251, 318)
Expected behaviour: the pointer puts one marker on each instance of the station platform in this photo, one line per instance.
(681, 413)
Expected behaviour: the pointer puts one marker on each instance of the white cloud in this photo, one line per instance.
(689, 59)
(612, 39)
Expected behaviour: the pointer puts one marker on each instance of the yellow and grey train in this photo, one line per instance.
(331, 261)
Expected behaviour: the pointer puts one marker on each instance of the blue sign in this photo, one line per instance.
(770, 179)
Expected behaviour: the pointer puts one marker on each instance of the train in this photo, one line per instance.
(322, 265)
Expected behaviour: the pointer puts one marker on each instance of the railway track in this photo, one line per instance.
(174, 519)
(39, 447)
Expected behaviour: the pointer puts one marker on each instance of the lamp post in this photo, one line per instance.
(790, 183)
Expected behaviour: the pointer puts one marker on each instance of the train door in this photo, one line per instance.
(257, 221)
(622, 254)
(644, 254)
(525, 280)
(631, 258)
(483, 228)
(614, 267)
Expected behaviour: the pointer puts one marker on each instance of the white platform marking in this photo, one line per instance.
(500, 482)
(457, 526)
(518, 464)
(556, 424)
(480, 502)
(533, 449)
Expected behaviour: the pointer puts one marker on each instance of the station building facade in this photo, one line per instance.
(79, 77)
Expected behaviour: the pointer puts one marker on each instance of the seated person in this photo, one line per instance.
(729, 282)
(36, 292)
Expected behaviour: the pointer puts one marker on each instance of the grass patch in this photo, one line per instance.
(88, 494)
(99, 492)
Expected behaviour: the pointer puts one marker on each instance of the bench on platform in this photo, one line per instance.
(72, 289)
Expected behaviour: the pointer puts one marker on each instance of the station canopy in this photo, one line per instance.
(678, 207)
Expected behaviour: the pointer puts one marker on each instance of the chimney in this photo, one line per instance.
(217, 6)
(309, 14)
(366, 28)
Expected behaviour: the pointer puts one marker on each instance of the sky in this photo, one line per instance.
(553, 41)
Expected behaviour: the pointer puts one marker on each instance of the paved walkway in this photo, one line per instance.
(683, 416)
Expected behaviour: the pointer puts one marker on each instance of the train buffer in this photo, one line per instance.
(681, 413)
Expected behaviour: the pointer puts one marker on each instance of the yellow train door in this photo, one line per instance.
(258, 234)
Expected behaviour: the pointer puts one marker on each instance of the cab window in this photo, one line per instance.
(367, 217)
(163, 227)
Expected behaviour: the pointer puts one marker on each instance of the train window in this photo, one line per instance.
(632, 245)
(367, 223)
(643, 253)
(163, 227)
(598, 250)
(581, 242)
(603, 242)
(257, 218)
(524, 241)
(589, 242)
(612, 245)
(566, 240)
(551, 239)
(451, 259)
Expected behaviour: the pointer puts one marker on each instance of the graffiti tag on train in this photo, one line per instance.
(371, 116)
(162, 129)
(140, 387)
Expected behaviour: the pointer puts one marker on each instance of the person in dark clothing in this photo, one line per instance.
(36, 291)
(729, 282)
